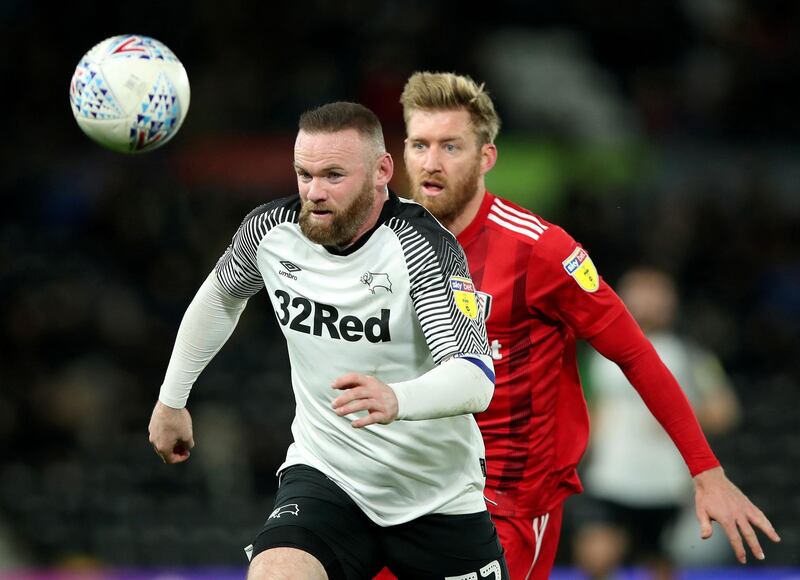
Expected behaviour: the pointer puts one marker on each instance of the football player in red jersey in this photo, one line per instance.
(540, 292)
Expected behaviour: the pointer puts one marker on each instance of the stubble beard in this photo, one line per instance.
(345, 222)
(448, 205)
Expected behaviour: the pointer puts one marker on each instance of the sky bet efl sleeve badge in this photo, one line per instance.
(580, 266)
(464, 295)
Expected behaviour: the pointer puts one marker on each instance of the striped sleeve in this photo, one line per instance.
(439, 278)
(237, 269)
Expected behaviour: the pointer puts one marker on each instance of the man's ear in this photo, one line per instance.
(488, 157)
(384, 170)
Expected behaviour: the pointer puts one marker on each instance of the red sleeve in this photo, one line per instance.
(623, 342)
(567, 287)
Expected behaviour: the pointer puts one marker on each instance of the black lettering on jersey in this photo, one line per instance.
(351, 328)
(305, 309)
(377, 329)
(327, 315)
(283, 312)
(326, 321)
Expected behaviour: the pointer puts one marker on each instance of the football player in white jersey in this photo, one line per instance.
(389, 359)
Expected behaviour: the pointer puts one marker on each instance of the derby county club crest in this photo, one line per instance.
(375, 280)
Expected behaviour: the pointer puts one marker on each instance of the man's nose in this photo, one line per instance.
(430, 162)
(316, 190)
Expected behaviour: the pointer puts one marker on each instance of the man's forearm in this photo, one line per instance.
(624, 343)
(456, 387)
(208, 323)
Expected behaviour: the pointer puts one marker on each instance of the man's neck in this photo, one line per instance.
(468, 213)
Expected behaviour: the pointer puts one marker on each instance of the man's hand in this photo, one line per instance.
(365, 393)
(171, 433)
(716, 498)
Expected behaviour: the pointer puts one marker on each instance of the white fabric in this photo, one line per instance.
(206, 326)
(455, 387)
(394, 472)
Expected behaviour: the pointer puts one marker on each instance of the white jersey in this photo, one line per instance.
(393, 305)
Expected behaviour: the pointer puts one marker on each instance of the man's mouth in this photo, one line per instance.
(315, 210)
(432, 187)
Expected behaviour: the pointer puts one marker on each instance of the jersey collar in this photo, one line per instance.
(475, 226)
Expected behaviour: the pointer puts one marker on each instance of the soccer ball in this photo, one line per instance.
(130, 93)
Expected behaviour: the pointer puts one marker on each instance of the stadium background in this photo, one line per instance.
(663, 132)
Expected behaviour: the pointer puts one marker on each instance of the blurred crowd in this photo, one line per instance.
(100, 254)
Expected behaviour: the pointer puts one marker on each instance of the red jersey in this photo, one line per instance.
(540, 291)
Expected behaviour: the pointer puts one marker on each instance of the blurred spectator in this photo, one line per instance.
(10, 554)
(636, 482)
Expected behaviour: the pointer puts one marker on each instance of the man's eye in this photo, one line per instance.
(450, 148)
(334, 175)
(419, 146)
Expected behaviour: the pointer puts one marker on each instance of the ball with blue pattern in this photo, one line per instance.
(130, 93)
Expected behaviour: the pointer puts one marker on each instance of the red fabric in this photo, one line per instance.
(537, 425)
(530, 544)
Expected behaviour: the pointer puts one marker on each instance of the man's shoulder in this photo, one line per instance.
(508, 219)
(407, 214)
(509, 223)
(281, 209)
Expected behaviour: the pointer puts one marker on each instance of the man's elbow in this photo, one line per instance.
(487, 399)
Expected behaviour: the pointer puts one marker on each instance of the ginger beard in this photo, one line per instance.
(345, 222)
(455, 194)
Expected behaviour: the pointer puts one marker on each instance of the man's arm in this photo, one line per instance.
(208, 323)
(716, 498)
(623, 342)
(458, 386)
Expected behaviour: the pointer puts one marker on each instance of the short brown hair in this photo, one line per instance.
(429, 91)
(341, 116)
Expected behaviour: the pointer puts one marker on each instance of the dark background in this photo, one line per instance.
(655, 132)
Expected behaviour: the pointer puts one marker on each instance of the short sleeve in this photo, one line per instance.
(237, 269)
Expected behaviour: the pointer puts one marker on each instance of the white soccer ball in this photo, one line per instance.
(130, 93)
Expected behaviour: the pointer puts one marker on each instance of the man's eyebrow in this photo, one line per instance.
(443, 139)
(323, 169)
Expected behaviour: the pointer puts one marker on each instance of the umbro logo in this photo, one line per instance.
(289, 266)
